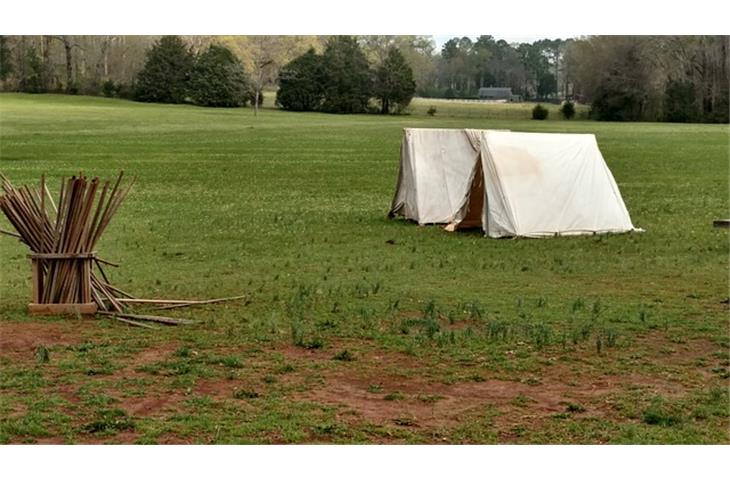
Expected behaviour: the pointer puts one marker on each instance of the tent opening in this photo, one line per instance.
(474, 204)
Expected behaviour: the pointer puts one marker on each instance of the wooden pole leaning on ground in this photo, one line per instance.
(62, 238)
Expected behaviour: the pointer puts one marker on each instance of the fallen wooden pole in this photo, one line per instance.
(136, 324)
(106, 262)
(149, 318)
(201, 302)
(156, 301)
(5, 232)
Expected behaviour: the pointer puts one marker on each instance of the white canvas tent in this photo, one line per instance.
(512, 184)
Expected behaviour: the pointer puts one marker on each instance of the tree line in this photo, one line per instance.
(658, 78)
(341, 80)
(655, 78)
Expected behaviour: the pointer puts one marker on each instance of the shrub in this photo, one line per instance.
(431, 111)
(42, 355)
(110, 421)
(244, 393)
(568, 110)
(218, 79)
(659, 412)
(91, 87)
(344, 356)
(109, 89)
(617, 103)
(539, 112)
(679, 102)
(166, 73)
(125, 91)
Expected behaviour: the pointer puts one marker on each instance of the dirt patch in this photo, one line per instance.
(365, 391)
(156, 353)
(50, 441)
(393, 400)
(217, 387)
(154, 404)
(68, 392)
(155, 401)
(122, 438)
(20, 339)
(171, 439)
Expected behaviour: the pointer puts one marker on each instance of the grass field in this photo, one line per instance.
(356, 328)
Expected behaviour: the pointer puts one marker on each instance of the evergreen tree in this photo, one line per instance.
(32, 81)
(166, 73)
(300, 83)
(218, 79)
(6, 67)
(347, 77)
(394, 84)
(679, 101)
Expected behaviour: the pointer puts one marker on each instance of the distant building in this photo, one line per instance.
(498, 93)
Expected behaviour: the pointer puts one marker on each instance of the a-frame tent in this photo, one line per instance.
(513, 184)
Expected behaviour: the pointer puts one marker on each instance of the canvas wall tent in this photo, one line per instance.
(513, 184)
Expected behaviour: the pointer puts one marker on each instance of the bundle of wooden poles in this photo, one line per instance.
(62, 238)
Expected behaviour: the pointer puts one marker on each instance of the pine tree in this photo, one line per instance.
(300, 83)
(347, 77)
(394, 84)
(166, 73)
(218, 79)
(32, 81)
(6, 66)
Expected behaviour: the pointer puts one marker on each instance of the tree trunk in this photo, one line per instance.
(47, 67)
(69, 63)
(21, 61)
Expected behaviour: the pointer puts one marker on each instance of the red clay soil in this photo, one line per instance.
(152, 405)
(434, 405)
(420, 402)
(20, 339)
(430, 405)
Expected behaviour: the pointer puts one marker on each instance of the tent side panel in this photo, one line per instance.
(553, 184)
(404, 201)
(444, 162)
(497, 218)
(622, 213)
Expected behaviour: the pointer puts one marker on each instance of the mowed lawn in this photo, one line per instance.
(356, 328)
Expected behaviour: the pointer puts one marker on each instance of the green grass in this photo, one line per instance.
(289, 208)
(485, 110)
